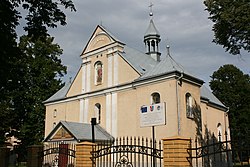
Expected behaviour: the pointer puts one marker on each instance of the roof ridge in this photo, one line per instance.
(178, 64)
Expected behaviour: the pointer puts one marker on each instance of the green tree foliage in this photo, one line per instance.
(39, 82)
(232, 87)
(231, 23)
(30, 72)
(9, 55)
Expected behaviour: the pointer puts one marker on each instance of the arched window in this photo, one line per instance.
(219, 131)
(155, 98)
(189, 106)
(153, 45)
(148, 44)
(98, 113)
(98, 73)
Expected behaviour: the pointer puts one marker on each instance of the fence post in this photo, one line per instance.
(83, 154)
(4, 156)
(34, 156)
(175, 151)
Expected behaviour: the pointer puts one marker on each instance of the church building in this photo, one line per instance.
(117, 84)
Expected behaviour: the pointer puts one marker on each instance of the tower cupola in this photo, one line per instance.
(152, 38)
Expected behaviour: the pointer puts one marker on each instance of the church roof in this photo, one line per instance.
(167, 65)
(210, 97)
(151, 30)
(82, 131)
(61, 94)
(140, 61)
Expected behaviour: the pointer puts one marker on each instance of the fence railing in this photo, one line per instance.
(129, 152)
(58, 154)
(209, 151)
(212, 152)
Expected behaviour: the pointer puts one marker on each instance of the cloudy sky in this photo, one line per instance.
(183, 25)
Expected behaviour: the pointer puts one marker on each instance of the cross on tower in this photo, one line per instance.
(151, 9)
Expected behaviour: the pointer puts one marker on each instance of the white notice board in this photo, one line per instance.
(153, 115)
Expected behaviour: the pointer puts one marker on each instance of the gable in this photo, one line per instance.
(65, 130)
(62, 133)
(99, 38)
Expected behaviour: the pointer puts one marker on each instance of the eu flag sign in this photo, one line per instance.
(143, 109)
(153, 115)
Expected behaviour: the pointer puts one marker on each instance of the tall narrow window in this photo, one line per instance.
(153, 45)
(155, 98)
(189, 106)
(98, 73)
(98, 113)
(55, 113)
(54, 124)
(219, 131)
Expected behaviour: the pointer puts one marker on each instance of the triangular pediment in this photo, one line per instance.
(62, 133)
(99, 39)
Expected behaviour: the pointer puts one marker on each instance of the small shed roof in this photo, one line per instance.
(81, 132)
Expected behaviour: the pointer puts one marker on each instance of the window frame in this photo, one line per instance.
(189, 105)
(96, 69)
(157, 100)
(98, 112)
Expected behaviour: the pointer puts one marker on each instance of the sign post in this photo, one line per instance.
(151, 116)
(153, 133)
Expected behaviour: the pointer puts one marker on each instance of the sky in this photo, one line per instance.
(183, 24)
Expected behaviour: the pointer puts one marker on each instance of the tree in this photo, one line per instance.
(9, 56)
(41, 80)
(231, 23)
(28, 70)
(232, 87)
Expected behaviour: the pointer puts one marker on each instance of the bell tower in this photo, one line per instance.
(152, 38)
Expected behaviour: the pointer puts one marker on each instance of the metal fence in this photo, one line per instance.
(129, 152)
(58, 154)
(212, 152)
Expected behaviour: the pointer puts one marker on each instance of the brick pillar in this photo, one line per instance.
(4, 156)
(175, 152)
(83, 154)
(35, 156)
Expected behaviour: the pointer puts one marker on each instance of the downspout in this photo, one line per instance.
(178, 103)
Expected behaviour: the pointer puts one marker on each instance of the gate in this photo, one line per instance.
(128, 152)
(59, 154)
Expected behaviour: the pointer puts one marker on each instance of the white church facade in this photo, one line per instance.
(115, 81)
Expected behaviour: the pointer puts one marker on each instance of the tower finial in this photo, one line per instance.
(151, 9)
(168, 50)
